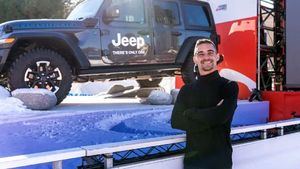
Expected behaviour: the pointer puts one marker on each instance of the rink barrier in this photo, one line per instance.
(107, 150)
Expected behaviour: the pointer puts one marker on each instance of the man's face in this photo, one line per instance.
(206, 58)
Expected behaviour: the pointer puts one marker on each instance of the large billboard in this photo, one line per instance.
(292, 44)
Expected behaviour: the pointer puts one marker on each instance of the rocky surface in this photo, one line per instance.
(36, 99)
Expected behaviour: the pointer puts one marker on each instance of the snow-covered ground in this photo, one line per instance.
(46, 131)
(78, 121)
(90, 97)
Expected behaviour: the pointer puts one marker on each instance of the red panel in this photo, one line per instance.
(178, 82)
(282, 104)
(239, 46)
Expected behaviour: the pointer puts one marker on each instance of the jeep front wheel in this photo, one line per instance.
(41, 68)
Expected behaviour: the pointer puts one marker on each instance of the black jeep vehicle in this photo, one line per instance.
(105, 39)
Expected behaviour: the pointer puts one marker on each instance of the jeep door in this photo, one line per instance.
(168, 30)
(126, 36)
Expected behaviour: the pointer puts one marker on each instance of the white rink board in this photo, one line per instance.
(275, 153)
(175, 162)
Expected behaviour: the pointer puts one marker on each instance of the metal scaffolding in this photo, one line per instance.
(271, 60)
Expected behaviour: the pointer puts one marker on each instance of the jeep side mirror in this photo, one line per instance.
(90, 22)
(111, 13)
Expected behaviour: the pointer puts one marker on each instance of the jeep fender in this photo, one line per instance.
(79, 57)
(186, 48)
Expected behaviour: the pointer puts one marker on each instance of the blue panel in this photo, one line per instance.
(248, 113)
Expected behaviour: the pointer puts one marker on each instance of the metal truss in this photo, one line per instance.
(124, 157)
(245, 137)
(93, 162)
(272, 45)
(291, 129)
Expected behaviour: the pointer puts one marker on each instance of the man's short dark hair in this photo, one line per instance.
(204, 41)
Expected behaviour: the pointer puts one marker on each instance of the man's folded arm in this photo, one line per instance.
(219, 114)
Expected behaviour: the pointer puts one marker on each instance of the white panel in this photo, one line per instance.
(230, 10)
(175, 162)
(39, 158)
(275, 153)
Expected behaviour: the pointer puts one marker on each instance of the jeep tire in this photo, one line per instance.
(41, 68)
(187, 70)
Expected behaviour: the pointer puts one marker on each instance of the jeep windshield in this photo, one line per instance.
(86, 9)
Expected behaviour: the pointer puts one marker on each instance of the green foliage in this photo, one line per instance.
(10, 9)
(32, 9)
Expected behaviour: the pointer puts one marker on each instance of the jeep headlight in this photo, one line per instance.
(7, 41)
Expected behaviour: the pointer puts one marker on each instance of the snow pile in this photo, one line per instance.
(4, 93)
(153, 123)
(111, 120)
(98, 88)
(40, 99)
(9, 105)
(101, 88)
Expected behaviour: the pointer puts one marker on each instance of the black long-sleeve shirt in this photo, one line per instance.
(206, 123)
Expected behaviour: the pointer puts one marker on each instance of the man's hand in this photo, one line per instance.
(219, 104)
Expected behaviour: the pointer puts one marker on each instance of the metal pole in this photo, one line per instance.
(108, 161)
(57, 165)
(263, 134)
(258, 45)
(280, 131)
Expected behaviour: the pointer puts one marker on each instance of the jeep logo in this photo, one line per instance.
(139, 42)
